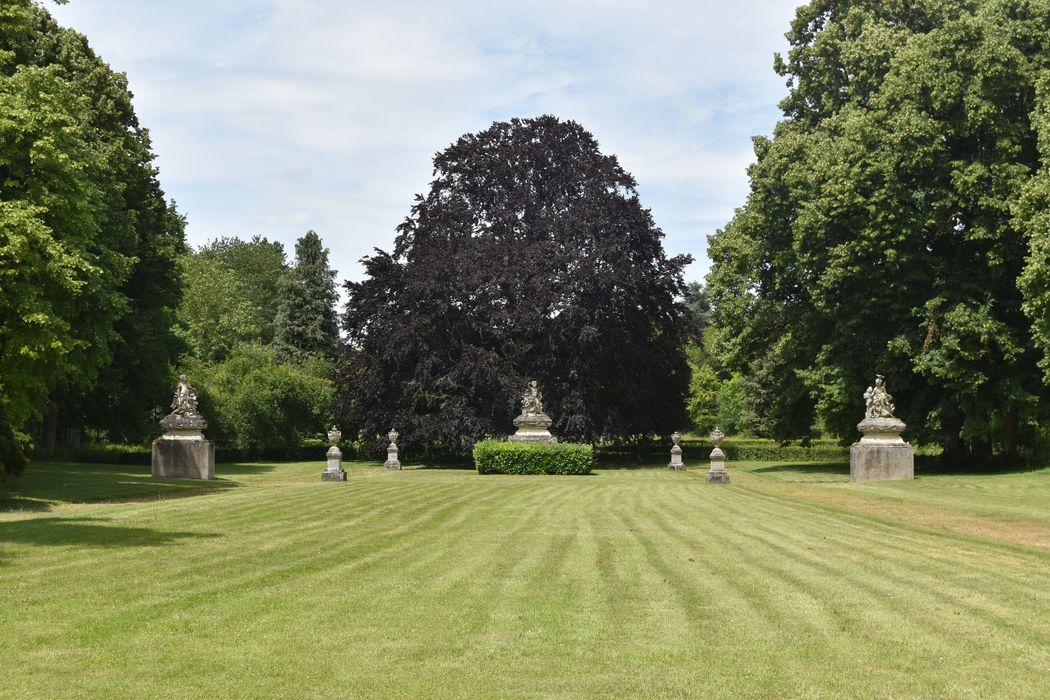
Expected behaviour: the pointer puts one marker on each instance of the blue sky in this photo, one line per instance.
(274, 117)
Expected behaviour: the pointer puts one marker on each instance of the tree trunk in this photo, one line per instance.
(51, 430)
(1010, 434)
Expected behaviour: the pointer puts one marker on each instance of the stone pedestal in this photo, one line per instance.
(881, 454)
(182, 452)
(717, 474)
(533, 424)
(676, 454)
(392, 462)
(534, 429)
(334, 470)
(183, 459)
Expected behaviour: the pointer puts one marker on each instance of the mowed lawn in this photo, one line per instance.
(789, 582)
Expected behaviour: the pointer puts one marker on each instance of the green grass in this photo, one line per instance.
(789, 582)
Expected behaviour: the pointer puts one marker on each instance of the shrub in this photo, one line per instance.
(494, 457)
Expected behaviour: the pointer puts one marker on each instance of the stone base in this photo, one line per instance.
(536, 437)
(183, 459)
(337, 474)
(676, 466)
(881, 462)
(394, 464)
(717, 477)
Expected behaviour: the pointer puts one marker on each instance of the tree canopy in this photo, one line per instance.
(889, 220)
(306, 321)
(531, 257)
(87, 240)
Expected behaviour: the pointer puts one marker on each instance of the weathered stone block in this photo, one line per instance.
(183, 459)
(877, 462)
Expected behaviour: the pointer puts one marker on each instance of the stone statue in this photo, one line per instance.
(881, 453)
(878, 400)
(532, 401)
(182, 450)
(185, 401)
(533, 424)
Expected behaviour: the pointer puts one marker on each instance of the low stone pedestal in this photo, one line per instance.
(183, 459)
(392, 462)
(334, 471)
(717, 474)
(676, 453)
(881, 454)
(182, 452)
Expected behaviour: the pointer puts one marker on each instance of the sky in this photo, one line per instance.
(275, 117)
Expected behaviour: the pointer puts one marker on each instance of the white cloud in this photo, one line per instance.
(276, 117)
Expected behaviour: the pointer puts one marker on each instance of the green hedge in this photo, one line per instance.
(494, 457)
(311, 449)
(736, 449)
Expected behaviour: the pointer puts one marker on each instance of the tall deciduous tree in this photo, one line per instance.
(880, 231)
(260, 266)
(306, 321)
(531, 257)
(87, 241)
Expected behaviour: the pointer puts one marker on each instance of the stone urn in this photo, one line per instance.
(392, 462)
(676, 453)
(334, 470)
(717, 474)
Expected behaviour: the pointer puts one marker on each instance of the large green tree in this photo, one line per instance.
(87, 240)
(879, 234)
(260, 266)
(531, 257)
(306, 321)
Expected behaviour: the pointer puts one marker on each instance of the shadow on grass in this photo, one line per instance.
(89, 532)
(237, 468)
(46, 484)
(808, 472)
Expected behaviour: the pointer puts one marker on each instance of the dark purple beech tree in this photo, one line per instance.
(530, 258)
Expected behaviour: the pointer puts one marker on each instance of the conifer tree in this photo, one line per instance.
(306, 321)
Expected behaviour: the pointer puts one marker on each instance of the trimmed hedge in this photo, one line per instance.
(736, 449)
(495, 457)
(310, 450)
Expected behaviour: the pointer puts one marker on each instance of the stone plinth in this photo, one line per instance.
(183, 458)
(182, 452)
(534, 429)
(334, 470)
(676, 454)
(881, 454)
(717, 474)
(392, 462)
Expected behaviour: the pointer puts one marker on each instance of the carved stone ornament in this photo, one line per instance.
(184, 422)
(533, 424)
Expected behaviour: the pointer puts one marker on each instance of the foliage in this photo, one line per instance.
(704, 388)
(880, 231)
(85, 232)
(259, 266)
(306, 321)
(498, 457)
(1032, 216)
(698, 304)
(254, 403)
(531, 258)
(218, 310)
